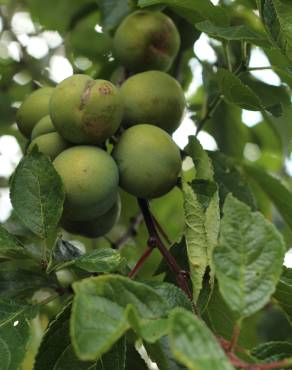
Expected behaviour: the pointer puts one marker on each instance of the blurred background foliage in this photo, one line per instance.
(42, 42)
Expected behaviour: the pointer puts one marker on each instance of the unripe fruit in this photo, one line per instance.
(146, 40)
(98, 226)
(149, 161)
(84, 110)
(90, 177)
(153, 97)
(51, 144)
(34, 107)
(44, 126)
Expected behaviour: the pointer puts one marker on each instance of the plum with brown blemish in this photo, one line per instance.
(146, 40)
(86, 111)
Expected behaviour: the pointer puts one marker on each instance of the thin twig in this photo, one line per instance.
(235, 336)
(209, 113)
(161, 230)
(130, 233)
(140, 262)
(155, 241)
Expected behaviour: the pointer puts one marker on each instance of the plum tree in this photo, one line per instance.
(96, 227)
(149, 161)
(146, 40)
(34, 107)
(90, 177)
(43, 126)
(51, 144)
(153, 97)
(86, 111)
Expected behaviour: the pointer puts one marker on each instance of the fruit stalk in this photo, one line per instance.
(140, 262)
(155, 241)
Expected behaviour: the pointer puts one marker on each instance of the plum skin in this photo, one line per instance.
(149, 161)
(90, 177)
(33, 108)
(43, 126)
(50, 144)
(146, 40)
(153, 97)
(86, 111)
(96, 227)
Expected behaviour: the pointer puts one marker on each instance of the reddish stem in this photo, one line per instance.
(273, 365)
(235, 335)
(140, 262)
(155, 241)
(235, 361)
(160, 229)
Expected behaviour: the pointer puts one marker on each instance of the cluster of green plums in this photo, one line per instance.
(77, 122)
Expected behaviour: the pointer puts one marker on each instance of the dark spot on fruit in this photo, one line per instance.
(105, 89)
(86, 94)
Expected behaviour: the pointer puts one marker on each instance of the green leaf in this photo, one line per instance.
(14, 282)
(10, 247)
(134, 360)
(273, 351)
(193, 344)
(103, 307)
(115, 358)
(99, 260)
(62, 254)
(221, 320)
(173, 295)
(11, 310)
(56, 351)
(277, 18)
(203, 165)
(248, 261)
(202, 217)
(236, 92)
(112, 12)
(37, 194)
(274, 189)
(85, 41)
(284, 292)
(270, 95)
(230, 180)
(232, 33)
(264, 134)
(160, 353)
(14, 337)
(179, 252)
(192, 10)
(58, 15)
(228, 130)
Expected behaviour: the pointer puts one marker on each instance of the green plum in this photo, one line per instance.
(86, 111)
(149, 161)
(44, 126)
(146, 40)
(96, 227)
(90, 177)
(153, 97)
(33, 108)
(51, 144)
